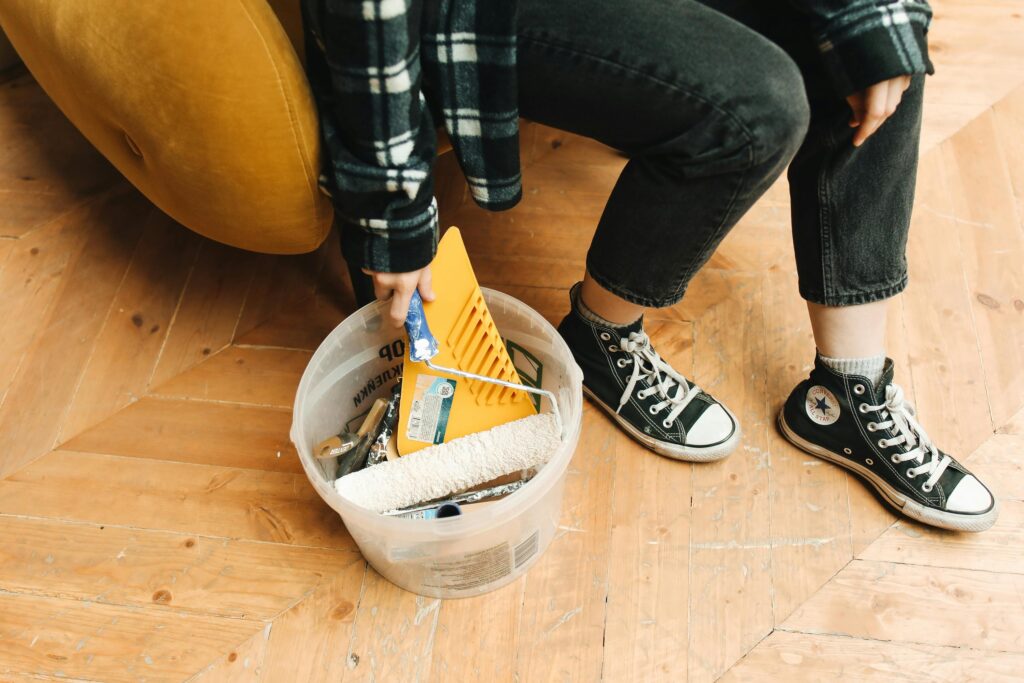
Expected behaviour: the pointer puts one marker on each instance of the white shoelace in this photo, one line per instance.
(647, 364)
(896, 412)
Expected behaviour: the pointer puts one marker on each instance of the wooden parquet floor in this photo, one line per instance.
(155, 523)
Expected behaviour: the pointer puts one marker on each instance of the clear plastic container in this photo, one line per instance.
(486, 547)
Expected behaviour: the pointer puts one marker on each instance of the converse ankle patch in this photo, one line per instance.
(822, 405)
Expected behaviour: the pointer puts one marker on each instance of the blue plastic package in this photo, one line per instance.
(422, 344)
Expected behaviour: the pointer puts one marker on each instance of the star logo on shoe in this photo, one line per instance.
(822, 406)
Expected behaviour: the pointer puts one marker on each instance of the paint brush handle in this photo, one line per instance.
(422, 344)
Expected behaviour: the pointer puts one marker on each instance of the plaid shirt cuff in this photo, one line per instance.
(391, 246)
(873, 42)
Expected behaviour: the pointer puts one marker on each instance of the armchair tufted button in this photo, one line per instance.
(131, 145)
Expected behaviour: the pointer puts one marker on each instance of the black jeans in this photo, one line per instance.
(711, 100)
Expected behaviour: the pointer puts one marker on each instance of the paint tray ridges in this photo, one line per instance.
(477, 347)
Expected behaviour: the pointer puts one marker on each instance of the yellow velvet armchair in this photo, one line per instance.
(202, 104)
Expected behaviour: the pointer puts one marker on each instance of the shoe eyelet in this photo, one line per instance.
(858, 389)
(895, 458)
(613, 348)
(869, 461)
(666, 423)
(863, 408)
(847, 451)
(882, 443)
(926, 488)
(605, 336)
(622, 362)
(653, 410)
(872, 427)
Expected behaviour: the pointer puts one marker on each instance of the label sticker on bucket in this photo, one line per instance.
(473, 570)
(431, 404)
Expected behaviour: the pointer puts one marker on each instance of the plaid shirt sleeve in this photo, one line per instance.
(864, 42)
(363, 62)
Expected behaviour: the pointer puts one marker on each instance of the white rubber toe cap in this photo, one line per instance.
(713, 426)
(969, 496)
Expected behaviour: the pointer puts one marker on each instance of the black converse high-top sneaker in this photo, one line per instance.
(873, 433)
(654, 404)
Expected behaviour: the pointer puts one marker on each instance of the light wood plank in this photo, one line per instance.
(800, 657)
(209, 310)
(761, 240)
(300, 326)
(1009, 119)
(512, 270)
(31, 280)
(310, 642)
(37, 399)
(46, 167)
(999, 464)
(241, 664)
(127, 348)
(262, 376)
(909, 604)
(106, 642)
(646, 625)
(160, 570)
(998, 549)
(1015, 425)
(477, 638)
(978, 60)
(196, 431)
(152, 494)
(730, 590)
(945, 362)
(993, 249)
(392, 633)
(281, 281)
(550, 302)
(809, 497)
(563, 613)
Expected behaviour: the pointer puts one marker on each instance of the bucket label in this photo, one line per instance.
(528, 367)
(473, 569)
(431, 403)
(480, 568)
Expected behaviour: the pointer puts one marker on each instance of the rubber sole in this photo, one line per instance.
(911, 508)
(684, 453)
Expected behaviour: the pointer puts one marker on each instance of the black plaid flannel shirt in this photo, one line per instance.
(375, 64)
(864, 42)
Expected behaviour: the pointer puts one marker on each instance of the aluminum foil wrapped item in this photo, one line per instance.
(466, 498)
(379, 447)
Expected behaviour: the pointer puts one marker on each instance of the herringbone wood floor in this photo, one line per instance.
(155, 523)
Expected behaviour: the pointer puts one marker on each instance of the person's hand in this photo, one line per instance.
(399, 288)
(873, 105)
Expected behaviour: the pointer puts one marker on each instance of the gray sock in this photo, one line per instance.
(584, 310)
(871, 367)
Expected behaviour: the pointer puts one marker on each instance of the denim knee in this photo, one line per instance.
(776, 111)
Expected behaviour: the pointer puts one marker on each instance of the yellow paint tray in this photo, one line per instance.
(436, 405)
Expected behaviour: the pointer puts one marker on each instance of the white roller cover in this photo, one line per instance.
(461, 463)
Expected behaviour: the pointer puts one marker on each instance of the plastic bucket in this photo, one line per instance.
(485, 548)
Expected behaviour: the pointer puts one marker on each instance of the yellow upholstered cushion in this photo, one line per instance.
(202, 104)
